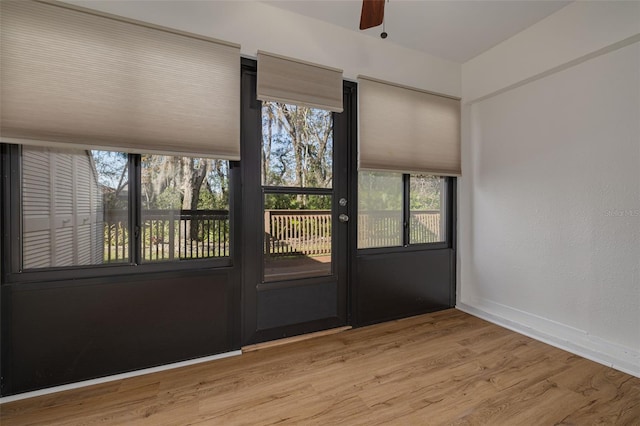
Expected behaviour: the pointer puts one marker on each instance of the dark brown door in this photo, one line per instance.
(295, 217)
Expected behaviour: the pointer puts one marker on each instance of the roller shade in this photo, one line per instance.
(291, 81)
(72, 77)
(407, 130)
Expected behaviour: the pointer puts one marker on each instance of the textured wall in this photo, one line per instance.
(574, 32)
(550, 207)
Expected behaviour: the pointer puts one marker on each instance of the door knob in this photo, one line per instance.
(343, 218)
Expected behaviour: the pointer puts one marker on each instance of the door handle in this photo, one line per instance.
(343, 218)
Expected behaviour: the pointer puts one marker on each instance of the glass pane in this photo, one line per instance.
(297, 146)
(297, 236)
(74, 207)
(427, 209)
(185, 208)
(379, 209)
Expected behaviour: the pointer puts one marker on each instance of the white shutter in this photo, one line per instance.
(63, 217)
(82, 217)
(36, 209)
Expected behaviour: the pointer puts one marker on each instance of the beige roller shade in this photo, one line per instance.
(407, 130)
(297, 82)
(70, 77)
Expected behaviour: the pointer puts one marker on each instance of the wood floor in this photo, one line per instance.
(442, 368)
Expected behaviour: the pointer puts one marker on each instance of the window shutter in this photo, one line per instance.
(291, 81)
(407, 130)
(71, 77)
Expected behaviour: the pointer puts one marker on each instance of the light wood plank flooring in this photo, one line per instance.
(442, 368)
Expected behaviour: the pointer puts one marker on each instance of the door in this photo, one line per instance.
(295, 216)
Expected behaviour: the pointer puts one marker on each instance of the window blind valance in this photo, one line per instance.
(407, 130)
(291, 81)
(73, 77)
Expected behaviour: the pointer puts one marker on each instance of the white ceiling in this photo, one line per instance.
(456, 30)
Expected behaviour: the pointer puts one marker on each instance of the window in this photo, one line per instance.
(297, 183)
(74, 207)
(380, 218)
(89, 207)
(397, 209)
(426, 209)
(297, 146)
(185, 208)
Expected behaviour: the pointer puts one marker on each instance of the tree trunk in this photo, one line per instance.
(192, 179)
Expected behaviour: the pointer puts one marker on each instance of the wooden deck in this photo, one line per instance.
(442, 368)
(277, 269)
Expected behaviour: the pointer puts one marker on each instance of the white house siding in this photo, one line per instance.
(36, 205)
(62, 209)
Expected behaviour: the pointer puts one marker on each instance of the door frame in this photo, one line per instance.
(256, 294)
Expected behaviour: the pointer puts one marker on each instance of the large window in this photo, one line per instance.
(88, 207)
(397, 209)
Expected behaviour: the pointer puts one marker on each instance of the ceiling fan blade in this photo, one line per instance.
(372, 13)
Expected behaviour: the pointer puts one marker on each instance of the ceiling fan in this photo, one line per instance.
(372, 15)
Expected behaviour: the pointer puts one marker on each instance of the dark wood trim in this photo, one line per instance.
(351, 99)
(135, 208)
(295, 190)
(251, 193)
(452, 235)
(406, 209)
(5, 265)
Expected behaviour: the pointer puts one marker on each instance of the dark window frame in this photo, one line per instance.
(11, 225)
(449, 215)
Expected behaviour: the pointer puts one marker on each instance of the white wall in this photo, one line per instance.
(574, 33)
(258, 26)
(549, 208)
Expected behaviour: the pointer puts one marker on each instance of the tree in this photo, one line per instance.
(297, 150)
(185, 183)
(379, 191)
(425, 192)
(112, 170)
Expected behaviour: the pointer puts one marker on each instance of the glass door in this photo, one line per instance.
(295, 218)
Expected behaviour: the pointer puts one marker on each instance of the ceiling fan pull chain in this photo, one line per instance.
(383, 34)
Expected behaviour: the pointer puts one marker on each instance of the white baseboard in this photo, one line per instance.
(557, 334)
(115, 377)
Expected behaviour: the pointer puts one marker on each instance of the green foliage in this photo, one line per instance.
(297, 146)
(383, 191)
(297, 202)
(425, 192)
(379, 191)
(169, 199)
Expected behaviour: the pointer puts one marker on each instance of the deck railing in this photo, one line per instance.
(169, 234)
(292, 232)
(308, 232)
(190, 234)
(384, 228)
